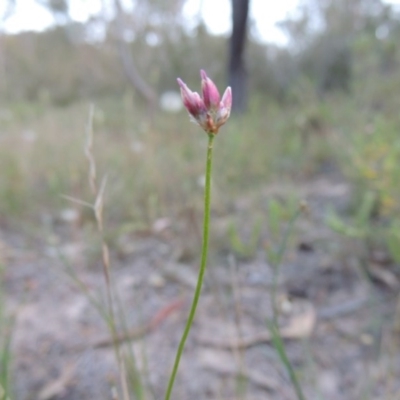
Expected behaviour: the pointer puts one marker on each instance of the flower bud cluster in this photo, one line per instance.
(209, 111)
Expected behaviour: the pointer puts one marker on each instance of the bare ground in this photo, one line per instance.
(338, 313)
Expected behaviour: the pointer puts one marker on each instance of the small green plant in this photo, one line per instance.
(275, 258)
(210, 112)
(359, 226)
(393, 240)
(6, 328)
(372, 164)
(244, 249)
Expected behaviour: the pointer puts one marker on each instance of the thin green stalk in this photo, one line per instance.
(206, 224)
(276, 262)
(273, 326)
(281, 350)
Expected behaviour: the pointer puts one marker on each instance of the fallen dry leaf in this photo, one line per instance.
(383, 275)
(224, 364)
(58, 386)
(300, 326)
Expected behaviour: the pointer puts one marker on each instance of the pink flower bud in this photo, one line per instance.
(209, 112)
(191, 100)
(224, 110)
(227, 99)
(210, 92)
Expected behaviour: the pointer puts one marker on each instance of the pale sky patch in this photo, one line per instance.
(29, 15)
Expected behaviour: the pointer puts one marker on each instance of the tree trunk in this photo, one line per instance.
(237, 70)
(128, 63)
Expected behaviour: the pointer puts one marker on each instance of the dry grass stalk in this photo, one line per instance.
(89, 150)
(98, 208)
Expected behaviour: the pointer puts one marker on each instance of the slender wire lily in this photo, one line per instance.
(210, 112)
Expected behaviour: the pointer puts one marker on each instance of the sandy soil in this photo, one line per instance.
(338, 311)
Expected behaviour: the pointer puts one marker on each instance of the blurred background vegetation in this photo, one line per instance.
(312, 115)
(331, 45)
(326, 102)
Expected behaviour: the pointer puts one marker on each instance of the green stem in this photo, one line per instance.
(273, 325)
(277, 261)
(280, 348)
(206, 224)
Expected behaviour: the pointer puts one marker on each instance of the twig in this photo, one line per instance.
(139, 332)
